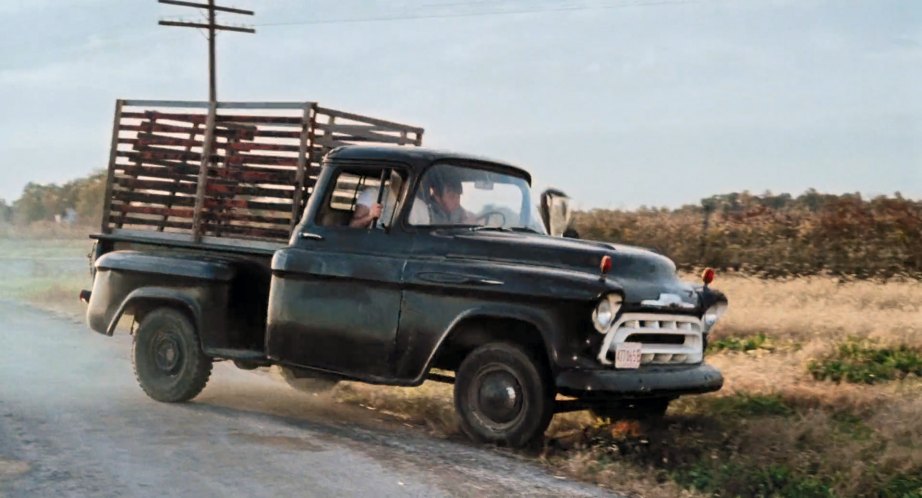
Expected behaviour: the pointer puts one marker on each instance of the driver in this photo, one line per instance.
(445, 208)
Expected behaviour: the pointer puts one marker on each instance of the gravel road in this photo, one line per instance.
(74, 423)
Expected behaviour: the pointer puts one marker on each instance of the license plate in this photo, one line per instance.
(627, 355)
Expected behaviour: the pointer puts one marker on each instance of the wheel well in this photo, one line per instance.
(141, 306)
(474, 332)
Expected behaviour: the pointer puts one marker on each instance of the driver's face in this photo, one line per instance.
(449, 200)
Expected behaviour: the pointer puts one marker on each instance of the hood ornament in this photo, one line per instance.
(667, 300)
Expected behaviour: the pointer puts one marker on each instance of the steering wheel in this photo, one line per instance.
(487, 215)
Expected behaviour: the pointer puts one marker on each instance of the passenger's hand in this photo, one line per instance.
(375, 211)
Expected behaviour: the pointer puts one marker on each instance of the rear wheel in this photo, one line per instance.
(168, 361)
(503, 395)
(635, 409)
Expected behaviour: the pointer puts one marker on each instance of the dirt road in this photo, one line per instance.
(74, 423)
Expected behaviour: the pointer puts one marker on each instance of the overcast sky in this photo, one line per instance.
(619, 103)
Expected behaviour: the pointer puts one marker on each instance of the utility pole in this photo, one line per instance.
(213, 27)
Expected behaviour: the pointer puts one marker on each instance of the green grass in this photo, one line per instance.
(862, 362)
(740, 344)
(737, 479)
(44, 248)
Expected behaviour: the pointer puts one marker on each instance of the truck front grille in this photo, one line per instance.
(664, 339)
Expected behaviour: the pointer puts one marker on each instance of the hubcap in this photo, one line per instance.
(167, 353)
(499, 396)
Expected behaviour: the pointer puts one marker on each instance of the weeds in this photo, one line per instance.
(740, 344)
(863, 362)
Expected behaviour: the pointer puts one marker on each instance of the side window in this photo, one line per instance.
(351, 203)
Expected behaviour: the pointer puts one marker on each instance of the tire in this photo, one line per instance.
(636, 409)
(167, 359)
(503, 395)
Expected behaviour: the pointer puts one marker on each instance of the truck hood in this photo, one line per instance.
(642, 274)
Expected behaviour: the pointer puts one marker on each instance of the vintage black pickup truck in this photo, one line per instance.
(255, 233)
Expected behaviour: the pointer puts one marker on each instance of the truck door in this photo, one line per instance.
(335, 297)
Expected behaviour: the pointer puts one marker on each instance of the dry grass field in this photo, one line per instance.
(774, 429)
(781, 426)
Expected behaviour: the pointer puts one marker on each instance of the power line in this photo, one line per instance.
(213, 27)
(476, 14)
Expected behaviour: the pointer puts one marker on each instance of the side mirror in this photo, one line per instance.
(555, 212)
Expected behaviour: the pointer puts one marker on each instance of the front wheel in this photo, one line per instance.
(503, 395)
(168, 362)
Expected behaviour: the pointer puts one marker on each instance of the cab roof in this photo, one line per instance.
(417, 158)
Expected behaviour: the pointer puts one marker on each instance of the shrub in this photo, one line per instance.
(861, 362)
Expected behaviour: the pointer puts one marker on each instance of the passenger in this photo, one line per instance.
(367, 207)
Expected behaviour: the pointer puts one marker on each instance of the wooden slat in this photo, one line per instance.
(162, 169)
(131, 184)
(259, 159)
(133, 220)
(261, 233)
(168, 128)
(215, 188)
(251, 119)
(154, 210)
(248, 146)
(231, 216)
(366, 119)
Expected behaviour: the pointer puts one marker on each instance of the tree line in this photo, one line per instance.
(775, 235)
(82, 198)
(765, 235)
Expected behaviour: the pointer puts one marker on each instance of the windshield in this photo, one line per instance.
(460, 195)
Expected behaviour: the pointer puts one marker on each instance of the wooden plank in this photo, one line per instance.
(154, 210)
(107, 200)
(237, 203)
(230, 216)
(303, 163)
(258, 159)
(367, 119)
(278, 235)
(254, 119)
(165, 201)
(169, 116)
(215, 188)
(162, 170)
(249, 146)
(168, 128)
(126, 184)
(134, 220)
(126, 196)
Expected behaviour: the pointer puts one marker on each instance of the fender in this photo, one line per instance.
(541, 322)
(162, 294)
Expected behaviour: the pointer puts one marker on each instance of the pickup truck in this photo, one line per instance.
(334, 246)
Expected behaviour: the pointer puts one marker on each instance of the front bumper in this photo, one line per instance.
(641, 383)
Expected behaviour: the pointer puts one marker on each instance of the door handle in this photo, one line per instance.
(311, 236)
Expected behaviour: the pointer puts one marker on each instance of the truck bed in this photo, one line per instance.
(234, 177)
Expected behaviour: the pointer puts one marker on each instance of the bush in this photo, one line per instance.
(860, 362)
(775, 235)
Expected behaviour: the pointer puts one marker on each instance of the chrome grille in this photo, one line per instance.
(664, 339)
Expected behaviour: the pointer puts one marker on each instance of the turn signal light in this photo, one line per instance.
(707, 275)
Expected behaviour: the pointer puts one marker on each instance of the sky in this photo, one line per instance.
(619, 103)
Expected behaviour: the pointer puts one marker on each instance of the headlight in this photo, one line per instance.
(713, 314)
(605, 312)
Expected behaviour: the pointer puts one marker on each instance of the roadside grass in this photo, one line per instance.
(864, 362)
(776, 429)
(796, 416)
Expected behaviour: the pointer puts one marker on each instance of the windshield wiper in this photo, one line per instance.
(479, 228)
